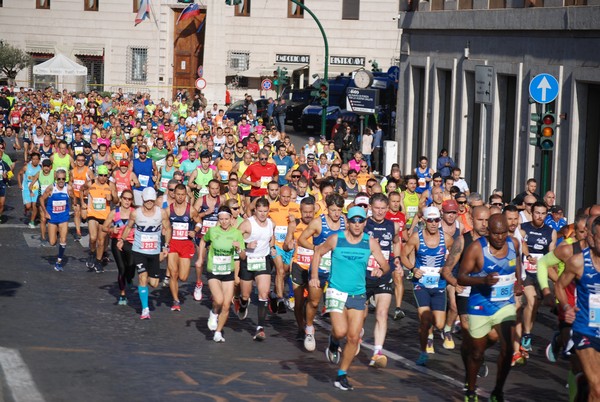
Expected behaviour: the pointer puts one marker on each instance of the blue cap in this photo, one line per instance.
(357, 211)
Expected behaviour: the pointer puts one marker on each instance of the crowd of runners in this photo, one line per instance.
(312, 228)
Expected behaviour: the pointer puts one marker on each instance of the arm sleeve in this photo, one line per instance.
(543, 263)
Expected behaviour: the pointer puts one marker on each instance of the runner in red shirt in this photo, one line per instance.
(395, 215)
(260, 174)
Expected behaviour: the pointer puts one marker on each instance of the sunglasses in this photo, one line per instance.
(461, 202)
(102, 175)
(363, 166)
(61, 179)
(497, 204)
(295, 176)
(357, 220)
(235, 208)
(263, 159)
(127, 198)
(437, 181)
(143, 153)
(431, 220)
(366, 206)
(171, 189)
(529, 204)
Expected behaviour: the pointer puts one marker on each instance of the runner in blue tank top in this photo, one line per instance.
(584, 268)
(424, 255)
(346, 294)
(320, 229)
(492, 268)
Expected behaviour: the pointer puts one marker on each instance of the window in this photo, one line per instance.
(136, 5)
(243, 9)
(95, 71)
(239, 61)
(137, 64)
(350, 9)
(295, 11)
(1, 3)
(90, 5)
(42, 4)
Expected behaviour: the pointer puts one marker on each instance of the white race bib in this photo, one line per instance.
(221, 265)
(335, 301)
(99, 204)
(265, 180)
(280, 233)
(59, 206)
(431, 277)
(282, 169)
(325, 264)
(304, 255)
(149, 241)
(224, 174)
(529, 267)
(164, 182)
(504, 289)
(256, 264)
(206, 224)
(594, 308)
(372, 264)
(144, 180)
(180, 230)
(77, 184)
(78, 150)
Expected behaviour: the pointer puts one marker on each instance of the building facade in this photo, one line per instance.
(444, 42)
(234, 47)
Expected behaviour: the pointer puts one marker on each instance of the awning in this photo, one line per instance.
(290, 66)
(89, 51)
(40, 48)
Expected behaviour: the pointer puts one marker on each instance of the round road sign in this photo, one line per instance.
(266, 84)
(201, 83)
(200, 71)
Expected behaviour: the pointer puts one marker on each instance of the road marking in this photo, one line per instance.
(18, 378)
(164, 354)
(327, 397)
(51, 349)
(233, 377)
(186, 378)
(299, 380)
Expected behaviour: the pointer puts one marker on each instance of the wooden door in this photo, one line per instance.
(188, 51)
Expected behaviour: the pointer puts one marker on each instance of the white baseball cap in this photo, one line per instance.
(431, 213)
(149, 194)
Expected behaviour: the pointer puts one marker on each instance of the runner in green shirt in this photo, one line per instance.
(225, 241)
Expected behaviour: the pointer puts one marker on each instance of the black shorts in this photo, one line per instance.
(531, 280)
(223, 278)
(93, 218)
(462, 305)
(149, 263)
(581, 342)
(381, 286)
(246, 275)
(301, 277)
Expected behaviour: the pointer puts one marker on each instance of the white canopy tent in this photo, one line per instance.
(60, 66)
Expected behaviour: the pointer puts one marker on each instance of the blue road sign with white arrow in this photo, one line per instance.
(543, 88)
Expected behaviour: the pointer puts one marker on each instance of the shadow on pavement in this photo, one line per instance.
(9, 288)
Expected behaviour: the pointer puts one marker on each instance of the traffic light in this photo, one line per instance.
(276, 77)
(535, 128)
(324, 94)
(548, 129)
(186, 1)
(283, 76)
(233, 2)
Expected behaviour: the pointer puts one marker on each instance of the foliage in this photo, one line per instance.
(13, 60)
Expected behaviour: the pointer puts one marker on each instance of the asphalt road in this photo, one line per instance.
(63, 337)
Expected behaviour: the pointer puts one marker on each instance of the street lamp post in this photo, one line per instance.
(326, 68)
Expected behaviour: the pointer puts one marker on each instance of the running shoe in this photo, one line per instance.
(213, 320)
(372, 303)
(77, 237)
(58, 266)
(398, 314)
(429, 348)
(300, 336)
(31, 225)
(176, 306)
(483, 370)
(45, 244)
(471, 396)
(105, 259)
(526, 343)
(309, 342)
(378, 360)
(290, 302)
(448, 341)
(497, 396)
(218, 337)
(553, 349)
(122, 301)
(341, 382)
(165, 282)
(98, 268)
(198, 291)
(243, 312)
(145, 314)
(524, 352)
(517, 359)
(423, 359)
(260, 334)
(333, 352)
(90, 262)
(281, 307)
(273, 307)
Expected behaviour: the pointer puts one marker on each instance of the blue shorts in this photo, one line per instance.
(2, 190)
(286, 256)
(27, 198)
(581, 341)
(435, 299)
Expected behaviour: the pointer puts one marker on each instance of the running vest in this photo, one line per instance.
(45, 154)
(326, 231)
(431, 261)
(538, 241)
(262, 235)
(144, 172)
(422, 183)
(62, 163)
(587, 320)
(165, 177)
(122, 183)
(279, 215)
(201, 180)
(211, 220)
(487, 300)
(411, 206)
(79, 179)
(30, 172)
(302, 256)
(98, 206)
(121, 223)
(241, 169)
(384, 233)
(181, 224)
(45, 180)
(147, 232)
(238, 198)
(348, 265)
(57, 205)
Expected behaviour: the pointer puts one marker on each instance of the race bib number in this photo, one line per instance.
(372, 264)
(335, 301)
(161, 163)
(35, 186)
(304, 255)
(594, 307)
(164, 182)
(529, 267)
(78, 150)
(280, 233)
(282, 169)
(117, 156)
(412, 210)
(59, 206)
(264, 181)
(224, 174)
(256, 264)
(221, 265)
(430, 278)
(504, 289)
(203, 191)
(206, 224)
(422, 183)
(77, 184)
(99, 204)
(144, 180)
(180, 230)
(325, 264)
(149, 242)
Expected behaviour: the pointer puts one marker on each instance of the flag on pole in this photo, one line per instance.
(143, 11)
(189, 12)
(201, 26)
